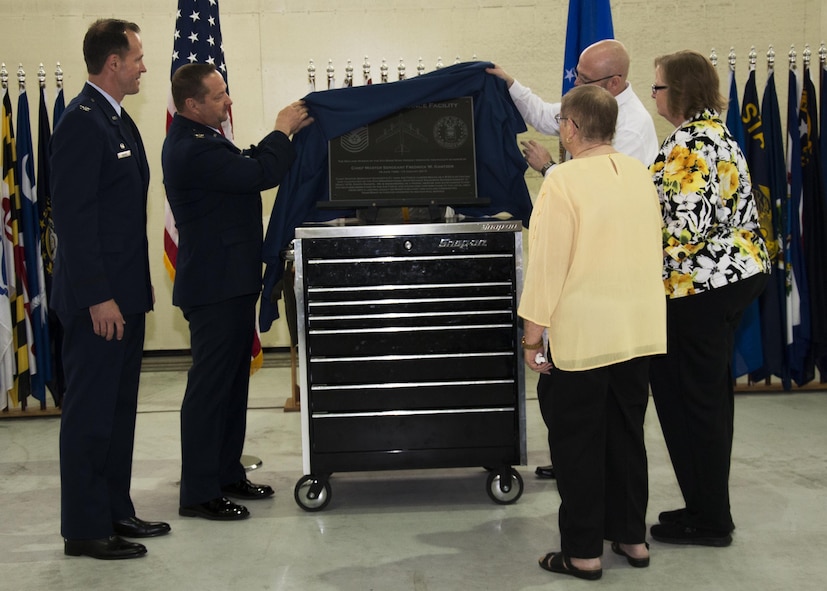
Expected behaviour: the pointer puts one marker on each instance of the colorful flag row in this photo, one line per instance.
(28, 332)
(785, 333)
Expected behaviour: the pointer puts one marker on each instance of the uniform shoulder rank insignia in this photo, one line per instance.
(199, 136)
(84, 108)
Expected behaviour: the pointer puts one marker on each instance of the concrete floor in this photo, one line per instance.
(413, 530)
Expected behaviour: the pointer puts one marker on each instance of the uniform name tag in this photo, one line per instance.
(124, 154)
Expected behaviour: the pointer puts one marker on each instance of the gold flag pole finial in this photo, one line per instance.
(41, 76)
(713, 57)
(731, 59)
(420, 68)
(753, 58)
(807, 55)
(770, 59)
(792, 57)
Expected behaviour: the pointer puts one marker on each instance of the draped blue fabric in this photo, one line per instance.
(500, 164)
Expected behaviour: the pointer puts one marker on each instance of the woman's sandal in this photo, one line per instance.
(557, 562)
(635, 562)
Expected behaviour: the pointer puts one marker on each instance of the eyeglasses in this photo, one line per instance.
(558, 119)
(657, 87)
(585, 80)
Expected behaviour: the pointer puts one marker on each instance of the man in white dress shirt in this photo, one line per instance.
(606, 64)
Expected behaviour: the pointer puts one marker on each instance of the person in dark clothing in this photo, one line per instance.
(213, 190)
(101, 292)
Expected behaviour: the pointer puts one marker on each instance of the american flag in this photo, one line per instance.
(197, 39)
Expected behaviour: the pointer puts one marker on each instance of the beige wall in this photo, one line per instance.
(268, 44)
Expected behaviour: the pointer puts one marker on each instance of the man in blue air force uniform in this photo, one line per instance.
(214, 190)
(101, 291)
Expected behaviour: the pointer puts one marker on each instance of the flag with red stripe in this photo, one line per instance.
(197, 39)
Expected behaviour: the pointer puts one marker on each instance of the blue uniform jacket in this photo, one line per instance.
(99, 181)
(214, 191)
(500, 164)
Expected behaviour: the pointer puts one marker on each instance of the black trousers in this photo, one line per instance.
(97, 425)
(596, 432)
(692, 387)
(214, 410)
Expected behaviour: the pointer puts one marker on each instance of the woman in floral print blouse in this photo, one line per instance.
(715, 265)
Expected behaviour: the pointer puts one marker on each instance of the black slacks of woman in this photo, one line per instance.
(596, 432)
(692, 387)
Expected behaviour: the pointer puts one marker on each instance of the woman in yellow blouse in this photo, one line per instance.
(715, 264)
(593, 281)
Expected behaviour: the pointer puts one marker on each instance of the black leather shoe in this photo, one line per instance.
(244, 489)
(678, 516)
(111, 548)
(133, 527)
(673, 516)
(220, 509)
(545, 472)
(678, 533)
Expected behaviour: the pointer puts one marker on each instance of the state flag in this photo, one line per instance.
(813, 222)
(29, 241)
(748, 354)
(15, 263)
(48, 242)
(797, 331)
(777, 182)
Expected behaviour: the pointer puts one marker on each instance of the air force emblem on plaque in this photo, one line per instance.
(450, 132)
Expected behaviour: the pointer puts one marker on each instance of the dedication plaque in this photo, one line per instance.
(420, 155)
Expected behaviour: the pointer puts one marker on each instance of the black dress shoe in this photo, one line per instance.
(111, 548)
(679, 516)
(244, 489)
(545, 472)
(220, 509)
(133, 527)
(680, 533)
(674, 516)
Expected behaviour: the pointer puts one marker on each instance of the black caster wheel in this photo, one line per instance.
(504, 492)
(311, 493)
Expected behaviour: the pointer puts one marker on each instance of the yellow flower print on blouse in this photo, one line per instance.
(729, 181)
(680, 250)
(749, 244)
(685, 172)
(679, 284)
